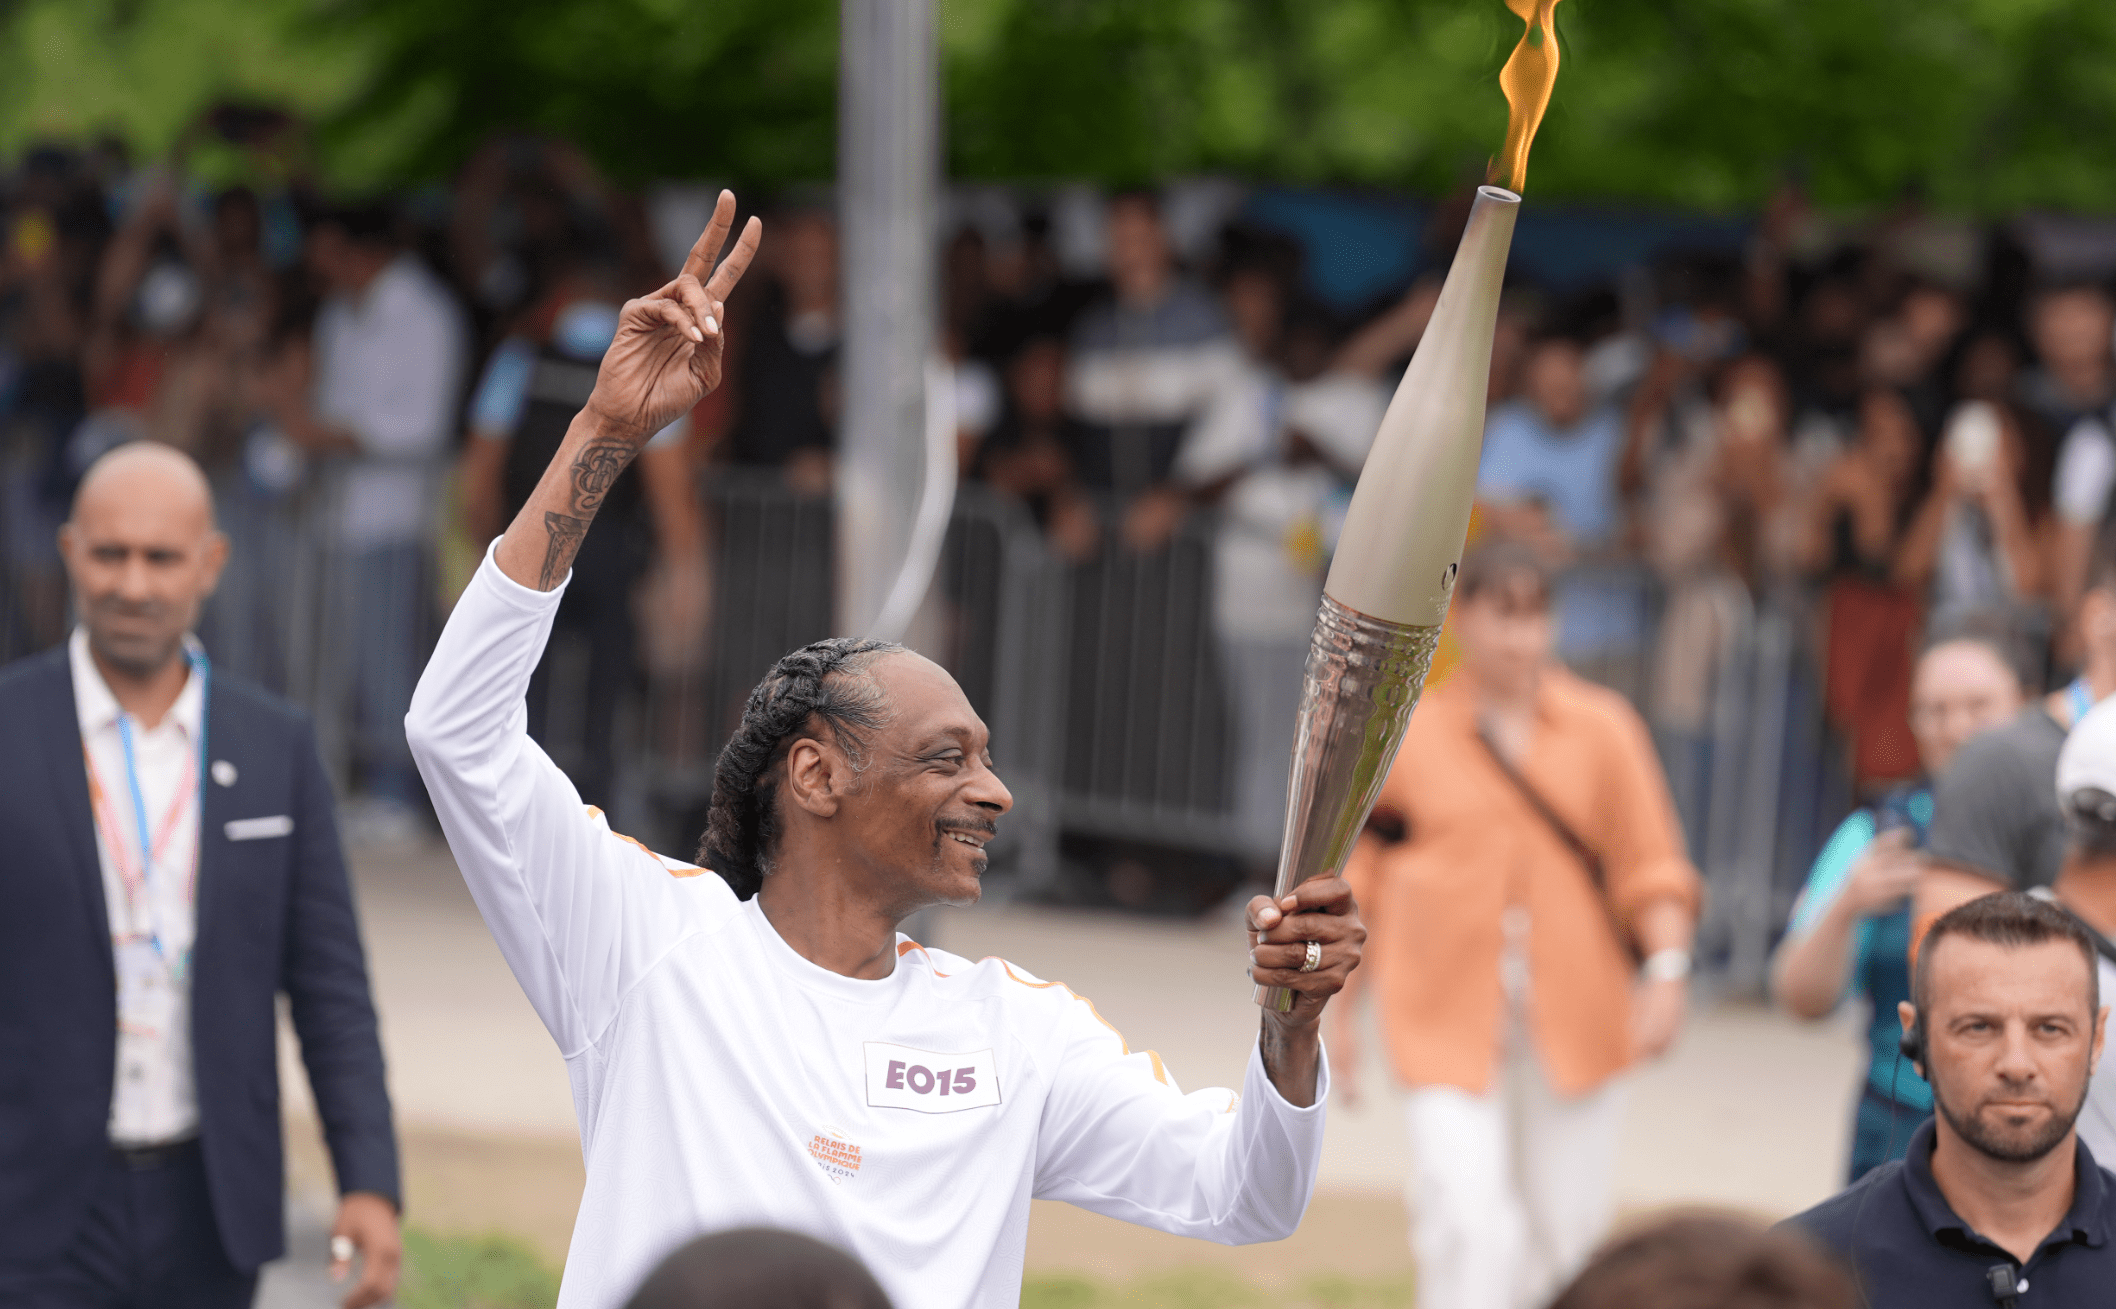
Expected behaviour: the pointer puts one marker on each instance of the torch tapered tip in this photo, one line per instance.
(1403, 533)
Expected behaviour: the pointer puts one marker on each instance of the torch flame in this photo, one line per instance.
(1527, 80)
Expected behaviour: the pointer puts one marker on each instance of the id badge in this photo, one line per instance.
(146, 998)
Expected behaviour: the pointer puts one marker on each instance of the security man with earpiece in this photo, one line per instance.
(1998, 1200)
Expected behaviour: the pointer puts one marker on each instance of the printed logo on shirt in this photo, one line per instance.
(899, 1077)
(837, 1157)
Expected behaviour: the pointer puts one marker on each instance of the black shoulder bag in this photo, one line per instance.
(1588, 856)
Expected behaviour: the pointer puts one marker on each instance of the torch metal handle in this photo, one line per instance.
(1363, 678)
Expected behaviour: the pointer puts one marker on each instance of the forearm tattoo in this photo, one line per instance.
(564, 532)
(595, 470)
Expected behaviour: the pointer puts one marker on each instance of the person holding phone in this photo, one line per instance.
(1851, 926)
(1974, 542)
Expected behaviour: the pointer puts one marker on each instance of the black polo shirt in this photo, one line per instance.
(1910, 1250)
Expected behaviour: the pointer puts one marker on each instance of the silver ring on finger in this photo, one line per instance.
(1313, 959)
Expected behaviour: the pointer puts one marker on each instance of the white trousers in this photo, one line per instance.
(1510, 1190)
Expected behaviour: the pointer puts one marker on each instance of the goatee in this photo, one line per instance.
(2007, 1147)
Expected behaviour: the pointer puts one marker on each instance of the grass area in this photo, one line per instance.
(1207, 1288)
(500, 1272)
(473, 1272)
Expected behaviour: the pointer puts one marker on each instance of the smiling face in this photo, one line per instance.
(2011, 1038)
(927, 800)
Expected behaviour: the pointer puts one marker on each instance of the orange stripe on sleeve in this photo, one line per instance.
(1069, 991)
(1100, 1019)
(1018, 977)
(907, 945)
(688, 870)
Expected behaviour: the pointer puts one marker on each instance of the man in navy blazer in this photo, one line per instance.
(169, 865)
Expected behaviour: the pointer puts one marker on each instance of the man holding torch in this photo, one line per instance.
(753, 1042)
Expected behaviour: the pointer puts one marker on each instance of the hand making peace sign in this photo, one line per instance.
(664, 359)
(667, 352)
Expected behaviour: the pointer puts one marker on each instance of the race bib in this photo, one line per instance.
(899, 1077)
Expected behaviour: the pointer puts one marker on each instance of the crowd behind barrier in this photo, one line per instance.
(1113, 727)
(1764, 454)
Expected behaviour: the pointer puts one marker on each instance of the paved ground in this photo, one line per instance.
(1750, 1111)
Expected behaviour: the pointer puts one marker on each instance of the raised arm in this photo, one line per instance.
(1856, 876)
(579, 911)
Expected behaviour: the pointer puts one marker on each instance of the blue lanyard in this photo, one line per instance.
(204, 668)
(2080, 697)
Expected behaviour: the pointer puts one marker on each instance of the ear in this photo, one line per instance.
(2101, 1036)
(216, 559)
(813, 780)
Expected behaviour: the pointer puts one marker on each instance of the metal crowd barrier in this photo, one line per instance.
(1735, 713)
(286, 614)
(1102, 681)
(1099, 681)
(1110, 712)
(1147, 725)
(298, 611)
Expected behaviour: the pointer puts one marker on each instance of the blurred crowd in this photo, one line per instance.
(1857, 426)
(1841, 484)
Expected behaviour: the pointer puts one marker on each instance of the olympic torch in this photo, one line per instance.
(1389, 584)
(1394, 571)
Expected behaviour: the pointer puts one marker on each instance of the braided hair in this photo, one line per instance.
(818, 686)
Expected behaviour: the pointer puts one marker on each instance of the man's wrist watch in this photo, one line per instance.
(1669, 965)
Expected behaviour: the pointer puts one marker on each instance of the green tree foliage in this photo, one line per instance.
(142, 69)
(742, 89)
(1985, 104)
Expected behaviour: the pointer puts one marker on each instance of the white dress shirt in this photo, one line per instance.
(152, 918)
(388, 365)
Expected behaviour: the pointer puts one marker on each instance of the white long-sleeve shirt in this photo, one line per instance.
(722, 1080)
